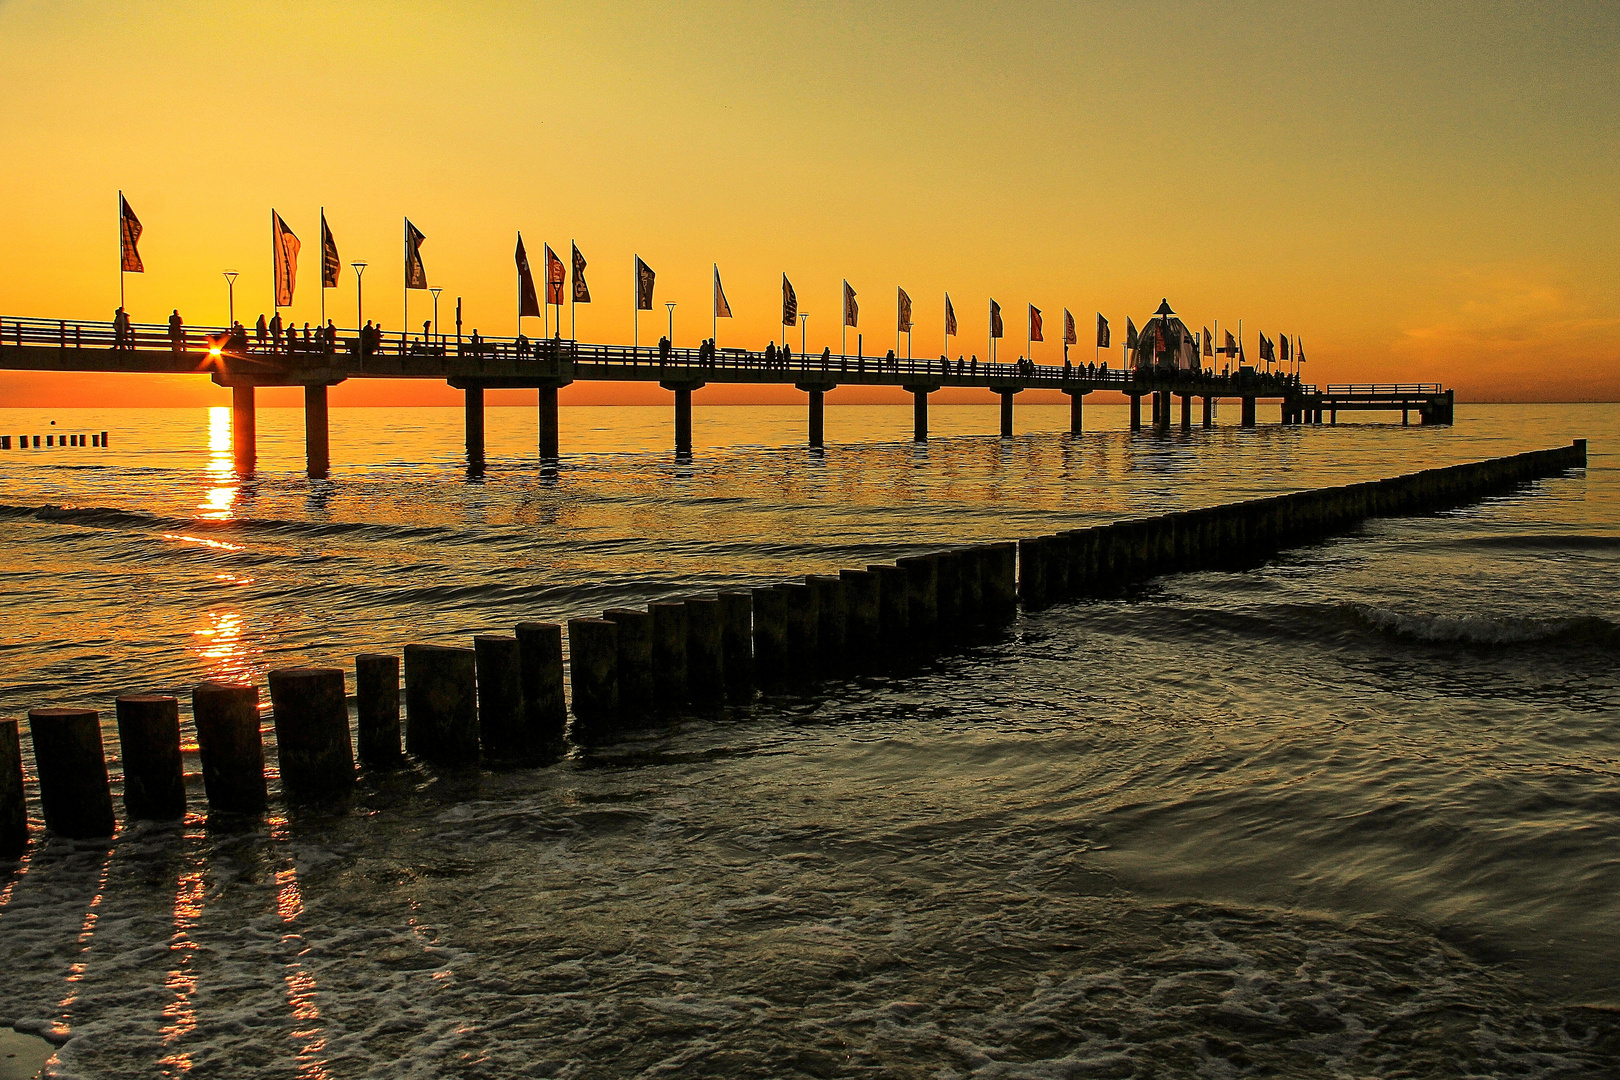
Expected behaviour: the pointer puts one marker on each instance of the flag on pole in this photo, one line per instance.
(556, 275)
(284, 251)
(950, 317)
(1285, 353)
(1035, 323)
(415, 275)
(1069, 335)
(1209, 343)
(644, 285)
(852, 311)
(790, 303)
(129, 232)
(1103, 334)
(528, 302)
(1299, 350)
(331, 265)
(582, 291)
(904, 324)
(722, 310)
(995, 319)
(1158, 338)
(1130, 333)
(1231, 349)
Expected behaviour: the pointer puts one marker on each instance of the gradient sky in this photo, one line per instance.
(1421, 191)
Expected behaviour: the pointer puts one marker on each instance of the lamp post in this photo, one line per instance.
(804, 321)
(230, 296)
(671, 305)
(359, 294)
(436, 290)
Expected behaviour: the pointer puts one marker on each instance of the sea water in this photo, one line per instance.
(1355, 812)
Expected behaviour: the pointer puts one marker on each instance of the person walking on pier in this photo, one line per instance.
(275, 332)
(259, 332)
(177, 332)
(329, 334)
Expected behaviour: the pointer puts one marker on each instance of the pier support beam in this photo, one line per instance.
(1136, 412)
(919, 411)
(1161, 410)
(1076, 410)
(475, 428)
(548, 423)
(1209, 411)
(1006, 412)
(317, 451)
(244, 429)
(817, 414)
(1248, 412)
(683, 413)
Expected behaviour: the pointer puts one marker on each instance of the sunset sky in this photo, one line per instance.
(1420, 191)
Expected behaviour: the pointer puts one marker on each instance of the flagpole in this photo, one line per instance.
(406, 317)
(714, 309)
(120, 249)
(573, 321)
(323, 269)
(635, 308)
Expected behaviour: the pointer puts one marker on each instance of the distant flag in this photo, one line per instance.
(995, 319)
(1104, 337)
(1035, 323)
(1240, 355)
(1209, 343)
(415, 275)
(1069, 335)
(1231, 348)
(528, 302)
(644, 285)
(852, 310)
(284, 257)
(556, 276)
(129, 233)
(790, 303)
(722, 310)
(582, 291)
(331, 265)
(950, 317)
(1130, 333)
(1286, 355)
(1158, 337)
(904, 323)
(1299, 350)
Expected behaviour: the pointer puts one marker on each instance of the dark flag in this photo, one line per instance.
(852, 311)
(415, 275)
(950, 317)
(582, 292)
(1285, 354)
(995, 319)
(528, 302)
(1299, 350)
(129, 232)
(1209, 343)
(284, 255)
(644, 285)
(790, 303)
(1130, 333)
(1103, 334)
(1035, 323)
(1069, 335)
(556, 276)
(1231, 346)
(1158, 338)
(722, 310)
(331, 265)
(904, 324)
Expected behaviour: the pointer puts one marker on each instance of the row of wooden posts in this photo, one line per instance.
(503, 699)
(63, 440)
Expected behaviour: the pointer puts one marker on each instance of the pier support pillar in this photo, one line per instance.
(919, 411)
(475, 428)
(244, 429)
(1406, 417)
(1076, 410)
(1209, 411)
(683, 413)
(1186, 412)
(317, 451)
(1248, 412)
(548, 423)
(1006, 412)
(1136, 412)
(1161, 410)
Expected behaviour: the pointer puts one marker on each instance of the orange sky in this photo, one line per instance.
(1419, 191)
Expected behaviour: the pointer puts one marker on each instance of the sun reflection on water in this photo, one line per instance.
(220, 500)
(180, 979)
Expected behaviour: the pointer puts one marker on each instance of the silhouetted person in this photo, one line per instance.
(259, 332)
(770, 354)
(329, 333)
(663, 350)
(121, 329)
(477, 342)
(275, 331)
(177, 332)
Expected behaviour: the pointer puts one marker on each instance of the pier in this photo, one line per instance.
(548, 365)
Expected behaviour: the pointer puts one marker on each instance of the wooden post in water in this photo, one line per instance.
(634, 647)
(441, 704)
(593, 670)
(540, 654)
(1209, 411)
(770, 634)
(669, 652)
(894, 607)
(13, 804)
(1076, 410)
(312, 732)
(947, 593)
(376, 692)
(72, 767)
(737, 617)
(149, 743)
(1136, 412)
(1031, 573)
(919, 412)
(705, 649)
(231, 746)
(803, 621)
(1006, 412)
(831, 620)
(1248, 412)
(817, 414)
(503, 728)
(861, 615)
(922, 598)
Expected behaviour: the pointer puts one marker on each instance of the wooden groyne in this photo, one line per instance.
(502, 700)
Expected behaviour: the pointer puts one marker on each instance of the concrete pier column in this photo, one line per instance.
(317, 451)
(441, 704)
(1186, 412)
(593, 650)
(540, 659)
(831, 621)
(1406, 417)
(922, 598)
(1076, 409)
(635, 661)
(1136, 412)
(1333, 417)
(670, 687)
(705, 649)
(149, 743)
(376, 696)
(72, 766)
(683, 421)
(13, 804)
(862, 617)
(231, 747)
(1209, 411)
(770, 634)
(803, 622)
(1006, 412)
(894, 607)
(816, 411)
(503, 727)
(1248, 412)
(244, 429)
(548, 423)
(474, 406)
(312, 732)
(736, 641)
(919, 412)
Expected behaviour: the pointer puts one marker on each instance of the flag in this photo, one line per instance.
(415, 275)
(528, 302)
(1158, 337)
(1035, 323)
(1130, 333)
(1268, 349)
(331, 265)
(905, 313)
(1103, 335)
(644, 285)
(556, 275)
(129, 231)
(284, 254)
(1069, 335)
(790, 303)
(1284, 339)
(995, 319)
(1209, 343)
(1231, 346)
(722, 310)
(950, 317)
(1299, 350)
(852, 310)
(582, 291)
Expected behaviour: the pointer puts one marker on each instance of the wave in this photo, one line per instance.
(1484, 630)
(109, 517)
(1543, 542)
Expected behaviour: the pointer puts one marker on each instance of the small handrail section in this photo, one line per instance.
(1382, 389)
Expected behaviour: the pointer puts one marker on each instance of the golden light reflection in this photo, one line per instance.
(219, 642)
(302, 991)
(181, 1014)
(216, 544)
(87, 929)
(221, 499)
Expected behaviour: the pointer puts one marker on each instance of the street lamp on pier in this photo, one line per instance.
(804, 321)
(230, 296)
(359, 294)
(436, 290)
(671, 305)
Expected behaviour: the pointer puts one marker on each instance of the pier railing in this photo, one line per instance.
(1365, 389)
